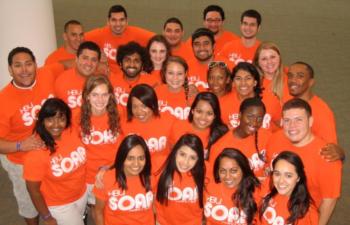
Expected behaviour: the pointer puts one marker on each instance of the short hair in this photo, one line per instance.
(309, 68)
(250, 68)
(70, 22)
(117, 9)
(17, 50)
(146, 95)
(248, 102)
(297, 103)
(173, 20)
(215, 8)
(51, 108)
(129, 49)
(203, 32)
(90, 45)
(252, 13)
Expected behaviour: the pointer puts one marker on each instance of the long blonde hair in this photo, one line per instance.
(277, 80)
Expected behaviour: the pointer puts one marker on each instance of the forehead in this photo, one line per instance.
(74, 27)
(172, 26)
(213, 15)
(88, 52)
(204, 105)
(21, 56)
(118, 15)
(284, 165)
(226, 162)
(257, 110)
(100, 88)
(157, 44)
(298, 68)
(136, 151)
(247, 19)
(294, 112)
(243, 73)
(217, 71)
(133, 56)
(187, 150)
(200, 39)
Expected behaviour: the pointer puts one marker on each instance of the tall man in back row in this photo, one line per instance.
(117, 32)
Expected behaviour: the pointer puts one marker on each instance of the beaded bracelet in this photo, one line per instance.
(18, 146)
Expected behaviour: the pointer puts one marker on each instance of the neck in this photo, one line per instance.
(23, 88)
(248, 42)
(238, 133)
(69, 49)
(307, 96)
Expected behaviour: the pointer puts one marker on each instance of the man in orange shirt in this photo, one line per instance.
(22, 99)
(69, 85)
(243, 49)
(131, 58)
(297, 136)
(116, 33)
(73, 36)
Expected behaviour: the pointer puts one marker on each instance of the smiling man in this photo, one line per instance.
(117, 32)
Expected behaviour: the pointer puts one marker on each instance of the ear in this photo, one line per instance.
(64, 36)
(311, 82)
(239, 116)
(10, 71)
(311, 121)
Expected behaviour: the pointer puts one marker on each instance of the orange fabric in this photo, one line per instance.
(319, 173)
(230, 104)
(59, 55)
(183, 207)
(122, 87)
(155, 132)
(277, 213)
(155, 74)
(173, 103)
(246, 146)
(236, 52)
(130, 206)
(267, 87)
(69, 87)
(62, 174)
(184, 51)
(109, 43)
(101, 146)
(20, 108)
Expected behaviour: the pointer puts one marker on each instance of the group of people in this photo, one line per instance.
(141, 128)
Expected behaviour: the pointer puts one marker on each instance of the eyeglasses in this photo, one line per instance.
(220, 64)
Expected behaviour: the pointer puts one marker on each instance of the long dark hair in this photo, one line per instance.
(51, 107)
(149, 67)
(197, 172)
(128, 143)
(243, 197)
(217, 128)
(300, 200)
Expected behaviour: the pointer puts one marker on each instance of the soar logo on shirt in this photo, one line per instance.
(98, 137)
(179, 112)
(121, 96)
(110, 51)
(219, 212)
(255, 162)
(195, 80)
(234, 120)
(236, 58)
(62, 165)
(270, 215)
(187, 194)
(29, 111)
(74, 98)
(119, 200)
(156, 144)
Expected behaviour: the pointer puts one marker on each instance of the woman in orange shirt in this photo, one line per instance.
(126, 196)
(55, 176)
(179, 198)
(158, 50)
(173, 95)
(229, 197)
(289, 201)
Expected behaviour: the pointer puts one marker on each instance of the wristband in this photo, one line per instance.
(45, 217)
(18, 146)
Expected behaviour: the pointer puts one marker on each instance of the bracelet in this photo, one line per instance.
(46, 217)
(18, 146)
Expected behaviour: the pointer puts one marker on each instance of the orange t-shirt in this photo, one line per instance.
(59, 55)
(122, 87)
(231, 104)
(267, 87)
(131, 206)
(183, 206)
(174, 103)
(277, 213)
(62, 174)
(155, 132)
(319, 173)
(184, 51)
(246, 146)
(109, 43)
(69, 87)
(20, 108)
(101, 145)
(236, 52)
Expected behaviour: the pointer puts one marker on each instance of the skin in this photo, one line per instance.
(244, 83)
(157, 53)
(117, 23)
(269, 61)
(173, 34)
(73, 37)
(140, 111)
(203, 115)
(132, 66)
(98, 99)
(203, 49)
(23, 70)
(87, 62)
(135, 161)
(300, 82)
(55, 125)
(175, 76)
(250, 121)
(186, 159)
(217, 81)
(284, 177)
(249, 28)
(213, 22)
(230, 173)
